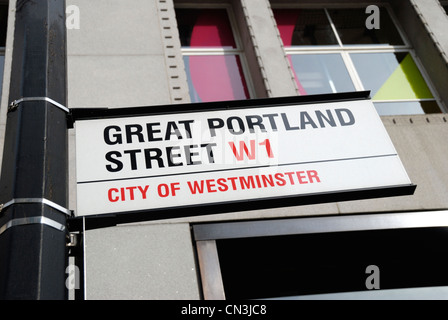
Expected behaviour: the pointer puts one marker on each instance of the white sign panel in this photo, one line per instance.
(222, 156)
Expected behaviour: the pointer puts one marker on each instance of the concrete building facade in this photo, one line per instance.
(131, 53)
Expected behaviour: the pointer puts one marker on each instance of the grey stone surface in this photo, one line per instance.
(263, 38)
(140, 262)
(117, 81)
(115, 27)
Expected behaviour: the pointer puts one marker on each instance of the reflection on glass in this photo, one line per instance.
(323, 263)
(406, 107)
(2, 65)
(391, 76)
(215, 78)
(204, 28)
(304, 27)
(321, 73)
(351, 27)
(3, 24)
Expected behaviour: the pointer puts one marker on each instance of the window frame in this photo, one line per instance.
(3, 48)
(205, 236)
(346, 50)
(444, 5)
(238, 51)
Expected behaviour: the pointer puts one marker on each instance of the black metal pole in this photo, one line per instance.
(33, 185)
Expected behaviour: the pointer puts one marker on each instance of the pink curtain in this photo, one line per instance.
(215, 77)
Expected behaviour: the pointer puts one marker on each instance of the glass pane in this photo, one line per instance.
(215, 78)
(285, 266)
(205, 28)
(320, 73)
(351, 27)
(304, 27)
(2, 65)
(391, 76)
(3, 24)
(407, 107)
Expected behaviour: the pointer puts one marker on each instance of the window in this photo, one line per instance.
(332, 50)
(289, 266)
(444, 4)
(326, 257)
(212, 55)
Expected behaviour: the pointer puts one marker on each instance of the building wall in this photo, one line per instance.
(141, 262)
(127, 53)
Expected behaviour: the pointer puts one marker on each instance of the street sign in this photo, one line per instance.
(236, 157)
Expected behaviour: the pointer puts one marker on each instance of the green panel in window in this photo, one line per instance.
(391, 76)
(406, 82)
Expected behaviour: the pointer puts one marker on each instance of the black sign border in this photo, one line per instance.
(105, 113)
(111, 219)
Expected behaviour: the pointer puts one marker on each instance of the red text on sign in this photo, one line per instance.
(243, 149)
(130, 193)
(253, 181)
